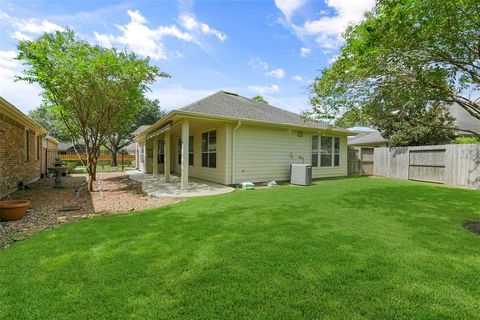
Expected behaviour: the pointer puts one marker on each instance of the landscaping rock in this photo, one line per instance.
(48, 205)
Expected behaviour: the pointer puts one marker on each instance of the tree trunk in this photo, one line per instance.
(114, 158)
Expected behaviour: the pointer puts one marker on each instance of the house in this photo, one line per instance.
(367, 139)
(467, 126)
(21, 141)
(229, 139)
(464, 121)
(69, 147)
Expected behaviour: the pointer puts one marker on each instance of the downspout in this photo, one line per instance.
(233, 149)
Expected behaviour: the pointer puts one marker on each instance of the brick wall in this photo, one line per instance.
(14, 166)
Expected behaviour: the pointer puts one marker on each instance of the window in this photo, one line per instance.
(336, 152)
(27, 145)
(326, 151)
(315, 151)
(209, 149)
(329, 151)
(39, 146)
(161, 151)
(190, 151)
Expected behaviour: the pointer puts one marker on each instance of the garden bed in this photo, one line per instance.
(49, 206)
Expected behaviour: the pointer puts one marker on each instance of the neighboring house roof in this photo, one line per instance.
(15, 114)
(367, 138)
(140, 129)
(464, 120)
(67, 145)
(132, 147)
(231, 106)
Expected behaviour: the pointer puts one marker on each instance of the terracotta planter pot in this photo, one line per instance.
(13, 209)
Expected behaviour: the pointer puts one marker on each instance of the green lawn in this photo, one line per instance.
(342, 249)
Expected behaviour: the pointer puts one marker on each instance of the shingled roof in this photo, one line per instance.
(231, 105)
(463, 119)
(367, 138)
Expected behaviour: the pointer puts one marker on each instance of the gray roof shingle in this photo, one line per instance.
(463, 119)
(367, 138)
(231, 105)
(140, 129)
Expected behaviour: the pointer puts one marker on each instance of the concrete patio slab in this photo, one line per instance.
(157, 187)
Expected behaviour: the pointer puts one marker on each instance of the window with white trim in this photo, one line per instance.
(161, 152)
(336, 152)
(209, 149)
(314, 151)
(325, 151)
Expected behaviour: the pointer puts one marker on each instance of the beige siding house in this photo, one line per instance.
(229, 139)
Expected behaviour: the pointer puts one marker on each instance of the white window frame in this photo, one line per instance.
(334, 153)
(161, 151)
(208, 148)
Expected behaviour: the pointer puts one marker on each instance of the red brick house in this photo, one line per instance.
(21, 141)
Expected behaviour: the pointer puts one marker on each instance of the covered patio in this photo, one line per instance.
(157, 186)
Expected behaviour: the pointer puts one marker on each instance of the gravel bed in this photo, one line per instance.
(113, 193)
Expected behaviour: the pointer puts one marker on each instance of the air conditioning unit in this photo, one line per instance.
(301, 174)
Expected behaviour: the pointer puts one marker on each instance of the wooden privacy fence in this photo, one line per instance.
(359, 161)
(453, 164)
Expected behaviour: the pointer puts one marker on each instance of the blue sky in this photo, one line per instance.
(271, 48)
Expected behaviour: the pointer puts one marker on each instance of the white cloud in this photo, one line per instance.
(288, 7)
(37, 27)
(20, 36)
(190, 23)
(26, 29)
(140, 38)
(257, 63)
(264, 89)
(304, 52)
(328, 29)
(297, 78)
(23, 95)
(278, 73)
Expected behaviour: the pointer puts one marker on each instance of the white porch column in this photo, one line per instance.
(184, 165)
(155, 156)
(167, 156)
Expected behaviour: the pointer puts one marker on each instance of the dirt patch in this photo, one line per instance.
(113, 192)
(473, 226)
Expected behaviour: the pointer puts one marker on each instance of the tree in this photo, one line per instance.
(50, 121)
(260, 99)
(90, 88)
(405, 61)
(121, 134)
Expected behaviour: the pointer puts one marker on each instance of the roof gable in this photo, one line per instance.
(226, 104)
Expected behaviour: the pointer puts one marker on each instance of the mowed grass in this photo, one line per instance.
(341, 249)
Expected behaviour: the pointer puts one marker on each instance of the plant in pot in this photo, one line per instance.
(13, 209)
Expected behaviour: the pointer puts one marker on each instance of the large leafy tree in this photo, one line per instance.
(50, 121)
(401, 65)
(89, 87)
(120, 134)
